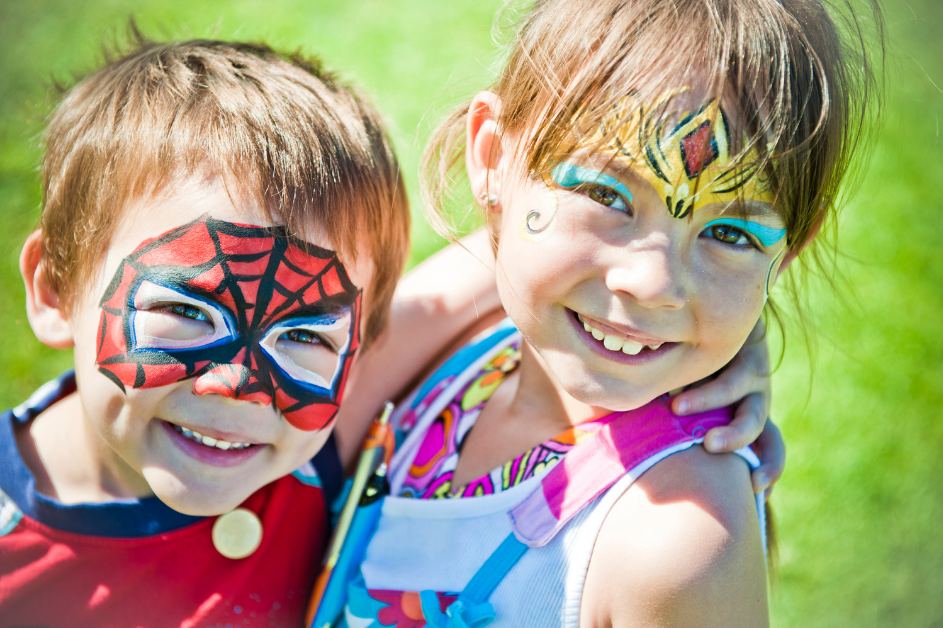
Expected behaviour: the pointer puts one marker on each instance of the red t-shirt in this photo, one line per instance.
(138, 563)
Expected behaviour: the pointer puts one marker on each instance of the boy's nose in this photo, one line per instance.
(652, 277)
(233, 381)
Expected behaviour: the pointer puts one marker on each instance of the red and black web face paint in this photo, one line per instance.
(250, 312)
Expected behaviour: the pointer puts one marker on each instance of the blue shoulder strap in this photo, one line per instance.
(472, 609)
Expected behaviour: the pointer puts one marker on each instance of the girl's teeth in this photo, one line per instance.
(615, 343)
(631, 348)
(209, 441)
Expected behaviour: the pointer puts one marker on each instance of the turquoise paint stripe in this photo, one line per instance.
(768, 236)
(569, 176)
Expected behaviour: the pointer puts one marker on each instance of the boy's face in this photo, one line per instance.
(212, 352)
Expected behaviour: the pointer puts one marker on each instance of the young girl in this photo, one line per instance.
(649, 168)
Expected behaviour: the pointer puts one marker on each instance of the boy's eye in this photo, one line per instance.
(301, 335)
(310, 350)
(186, 311)
(170, 319)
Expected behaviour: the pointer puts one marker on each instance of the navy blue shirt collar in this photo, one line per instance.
(120, 518)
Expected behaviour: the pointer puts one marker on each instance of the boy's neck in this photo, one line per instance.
(71, 462)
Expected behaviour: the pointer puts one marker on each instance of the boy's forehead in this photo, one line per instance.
(197, 200)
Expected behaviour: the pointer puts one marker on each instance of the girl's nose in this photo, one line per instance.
(652, 277)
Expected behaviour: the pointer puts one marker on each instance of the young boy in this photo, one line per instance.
(221, 236)
(222, 232)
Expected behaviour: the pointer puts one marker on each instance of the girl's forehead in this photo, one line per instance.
(684, 147)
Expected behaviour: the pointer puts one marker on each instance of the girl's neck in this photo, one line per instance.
(527, 409)
(539, 394)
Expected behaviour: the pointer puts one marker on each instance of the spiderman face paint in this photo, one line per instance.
(250, 313)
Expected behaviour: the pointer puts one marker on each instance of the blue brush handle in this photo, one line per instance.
(361, 530)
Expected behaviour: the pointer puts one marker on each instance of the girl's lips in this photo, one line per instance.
(597, 347)
(209, 454)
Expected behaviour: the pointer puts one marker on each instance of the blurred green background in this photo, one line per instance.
(860, 509)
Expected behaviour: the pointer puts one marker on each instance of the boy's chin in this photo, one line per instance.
(197, 499)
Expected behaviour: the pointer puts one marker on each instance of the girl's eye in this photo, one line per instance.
(730, 235)
(186, 311)
(606, 196)
(599, 187)
(301, 335)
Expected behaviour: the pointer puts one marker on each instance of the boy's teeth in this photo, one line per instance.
(598, 335)
(209, 441)
(653, 347)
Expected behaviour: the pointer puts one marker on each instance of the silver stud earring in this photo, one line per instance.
(488, 199)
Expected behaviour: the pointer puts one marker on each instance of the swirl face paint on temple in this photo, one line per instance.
(251, 313)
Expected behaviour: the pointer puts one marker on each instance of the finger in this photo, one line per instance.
(771, 449)
(736, 381)
(746, 426)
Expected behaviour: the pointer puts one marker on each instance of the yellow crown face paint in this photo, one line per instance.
(689, 165)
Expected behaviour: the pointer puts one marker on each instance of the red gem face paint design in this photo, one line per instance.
(251, 312)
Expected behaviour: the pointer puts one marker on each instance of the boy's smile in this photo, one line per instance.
(212, 351)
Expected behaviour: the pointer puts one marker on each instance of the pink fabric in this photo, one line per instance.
(596, 464)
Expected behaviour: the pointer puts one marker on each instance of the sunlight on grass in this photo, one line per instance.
(860, 507)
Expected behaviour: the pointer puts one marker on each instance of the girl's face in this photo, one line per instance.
(623, 298)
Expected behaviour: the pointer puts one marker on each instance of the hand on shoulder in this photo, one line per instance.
(681, 547)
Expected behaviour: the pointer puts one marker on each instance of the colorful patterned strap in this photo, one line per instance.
(628, 444)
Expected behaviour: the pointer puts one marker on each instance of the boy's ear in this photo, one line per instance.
(46, 316)
(483, 149)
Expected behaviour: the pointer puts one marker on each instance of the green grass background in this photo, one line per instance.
(860, 509)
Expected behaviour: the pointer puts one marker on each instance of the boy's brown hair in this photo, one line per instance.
(278, 130)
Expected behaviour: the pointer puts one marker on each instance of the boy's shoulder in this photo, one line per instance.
(97, 564)
(685, 541)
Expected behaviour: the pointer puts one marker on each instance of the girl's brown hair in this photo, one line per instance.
(800, 81)
(278, 130)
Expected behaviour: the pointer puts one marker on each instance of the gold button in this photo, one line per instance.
(237, 534)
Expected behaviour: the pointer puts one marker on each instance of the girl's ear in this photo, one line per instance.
(46, 316)
(483, 150)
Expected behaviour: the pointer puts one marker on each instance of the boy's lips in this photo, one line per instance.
(211, 450)
(620, 344)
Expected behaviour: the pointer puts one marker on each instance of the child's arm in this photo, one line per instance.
(746, 383)
(681, 548)
(434, 304)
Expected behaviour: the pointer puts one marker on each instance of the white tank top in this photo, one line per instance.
(553, 519)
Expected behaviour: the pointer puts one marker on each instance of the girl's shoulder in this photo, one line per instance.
(682, 546)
